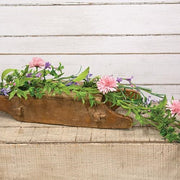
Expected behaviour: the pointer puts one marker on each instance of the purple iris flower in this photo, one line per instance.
(148, 101)
(47, 65)
(156, 101)
(88, 77)
(38, 75)
(29, 75)
(119, 80)
(71, 83)
(129, 79)
(5, 91)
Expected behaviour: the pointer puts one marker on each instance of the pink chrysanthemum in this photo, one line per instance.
(174, 106)
(36, 62)
(107, 84)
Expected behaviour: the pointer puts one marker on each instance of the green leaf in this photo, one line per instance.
(163, 102)
(129, 112)
(22, 81)
(12, 94)
(82, 75)
(25, 70)
(17, 82)
(22, 93)
(5, 72)
(91, 100)
(145, 89)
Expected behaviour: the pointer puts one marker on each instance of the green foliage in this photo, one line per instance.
(50, 81)
(82, 75)
(5, 72)
(157, 116)
(12, 94)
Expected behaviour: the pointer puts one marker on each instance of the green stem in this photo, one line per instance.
(44, 76)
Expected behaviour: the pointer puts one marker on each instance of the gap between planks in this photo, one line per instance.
(87, 35)
(52, 2)
(95, 4)
(149, 53)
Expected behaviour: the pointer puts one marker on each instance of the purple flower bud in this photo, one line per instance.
(129, 79)
(5, 91)
(29, 75)
(119, 80)
(148, 101)
(76, 83)
(69, 83)
(47, 65)
(38, 75)
(88, 77)
(156, 100)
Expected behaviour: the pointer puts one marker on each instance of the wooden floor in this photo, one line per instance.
(38, 151)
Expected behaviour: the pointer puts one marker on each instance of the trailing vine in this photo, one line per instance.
(39, 78)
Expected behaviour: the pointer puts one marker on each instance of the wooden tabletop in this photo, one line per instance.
(12, 131)
(39, 151)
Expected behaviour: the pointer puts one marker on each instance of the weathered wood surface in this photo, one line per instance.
(63, 109)
(152, 71)
(142, 38)
(86, 45)
(147, 69)
(58, 152)
(79, 20)
(12, 131)
(89, 2)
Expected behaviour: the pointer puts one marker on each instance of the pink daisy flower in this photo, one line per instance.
(36, 62)
(107, 84)
(174, 106)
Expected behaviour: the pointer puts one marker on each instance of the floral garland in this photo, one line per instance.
(40, 78)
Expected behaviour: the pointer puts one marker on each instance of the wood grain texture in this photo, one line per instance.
(58, 152)
(146, 69)
(56, 110)
(169, 90)
(90, 45)
(79, 20)
(33, 135)
(12, 131)
(102, 161)
(161, 72)
(88, 2)
(6, 121)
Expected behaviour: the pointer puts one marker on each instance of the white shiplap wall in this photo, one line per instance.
(120, 37)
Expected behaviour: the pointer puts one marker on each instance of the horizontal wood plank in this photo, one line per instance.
(78, 20)
(99, 161)
(12, 131)
(90, 45)
(169, 90)
(146, 69)
(67, 2)
(29, 133)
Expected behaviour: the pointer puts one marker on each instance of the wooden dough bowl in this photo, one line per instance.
(64, 110)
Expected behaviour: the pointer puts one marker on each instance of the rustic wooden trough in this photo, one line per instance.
(64, 110)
